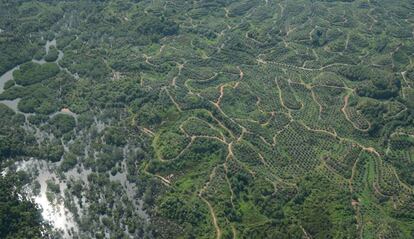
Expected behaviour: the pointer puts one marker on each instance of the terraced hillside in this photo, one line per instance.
(211, 118)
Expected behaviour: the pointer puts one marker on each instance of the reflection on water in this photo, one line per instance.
(53, 203)
(53, 210)
(42, 172)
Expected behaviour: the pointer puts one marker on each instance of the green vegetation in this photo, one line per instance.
(19, 216)
(212, 119)
(62, 123)
(52, 55)
(31, 73)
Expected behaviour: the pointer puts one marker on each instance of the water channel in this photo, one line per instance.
(53, 208)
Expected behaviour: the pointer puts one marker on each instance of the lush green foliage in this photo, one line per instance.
(19, 216)
(31, 73)
(215, 119)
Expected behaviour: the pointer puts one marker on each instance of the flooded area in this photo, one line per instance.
(12, 104)
(50, 183)
(47, 48)
(129, 187)
(9, 76)
(6, 77)
(43, 172)
(52, 204)
(49, 186)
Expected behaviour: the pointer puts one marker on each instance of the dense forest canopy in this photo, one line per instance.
(207, 119)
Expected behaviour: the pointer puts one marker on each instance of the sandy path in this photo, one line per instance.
(343, 109)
